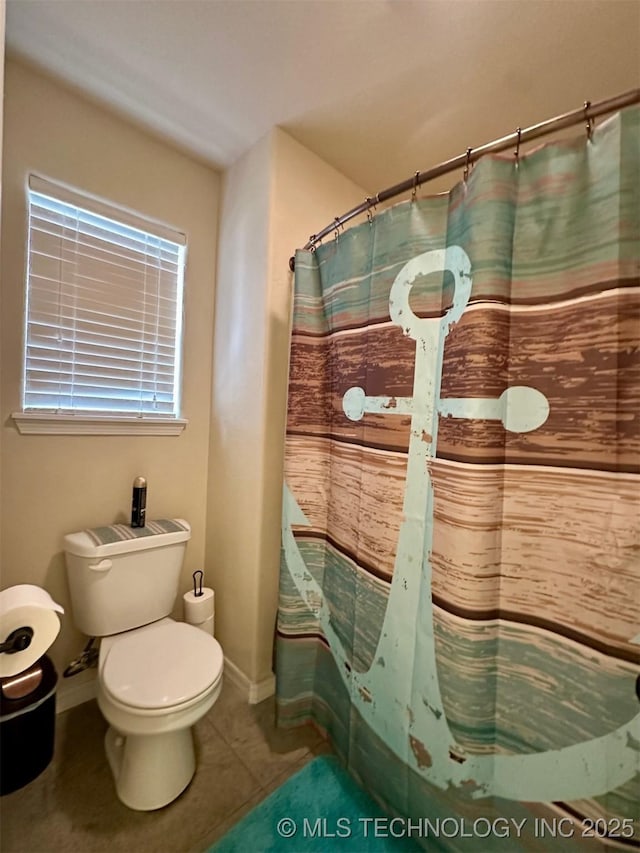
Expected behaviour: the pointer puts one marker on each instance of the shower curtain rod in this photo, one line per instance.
(585, 113)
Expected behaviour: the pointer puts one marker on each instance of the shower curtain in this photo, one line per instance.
(460, 581)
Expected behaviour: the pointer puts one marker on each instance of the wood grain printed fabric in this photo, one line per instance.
(460, 581)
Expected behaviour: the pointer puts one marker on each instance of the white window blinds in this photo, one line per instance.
(104, 308)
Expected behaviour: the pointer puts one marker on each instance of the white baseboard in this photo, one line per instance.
(69, 695)
(255, 691)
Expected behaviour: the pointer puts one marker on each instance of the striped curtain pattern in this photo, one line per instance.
(460, 581)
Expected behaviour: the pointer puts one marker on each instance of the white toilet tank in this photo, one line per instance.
(124, 584)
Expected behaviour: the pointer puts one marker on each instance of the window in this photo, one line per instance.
(104, 315)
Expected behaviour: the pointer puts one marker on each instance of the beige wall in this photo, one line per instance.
(52, 485)
(3, 8)
(224, 473)
(235, 457)
(273, 198)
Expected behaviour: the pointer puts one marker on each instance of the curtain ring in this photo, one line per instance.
(371, 203)
(337, 227)
(415, 186)
(589, 120)
(516, 153)
(467, 165)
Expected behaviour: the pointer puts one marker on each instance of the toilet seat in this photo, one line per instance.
(161, 666)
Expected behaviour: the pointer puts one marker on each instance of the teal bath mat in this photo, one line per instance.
(319, 810)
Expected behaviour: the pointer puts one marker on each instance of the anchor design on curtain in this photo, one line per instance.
(382, 695)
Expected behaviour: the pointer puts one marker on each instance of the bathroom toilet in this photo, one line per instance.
(156, 677)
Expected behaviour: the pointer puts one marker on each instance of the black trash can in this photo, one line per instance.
(27, 724)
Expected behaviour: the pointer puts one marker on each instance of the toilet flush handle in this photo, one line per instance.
(102, 566)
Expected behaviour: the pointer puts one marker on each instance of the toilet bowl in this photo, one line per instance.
(154, 684)
(156, 677)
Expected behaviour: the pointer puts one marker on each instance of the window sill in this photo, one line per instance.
(44, 423)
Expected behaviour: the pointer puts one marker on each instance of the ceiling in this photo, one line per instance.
(378, 88)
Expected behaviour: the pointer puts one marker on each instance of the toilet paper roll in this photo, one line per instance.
(27, 606)
(198, 608)
(206, 626)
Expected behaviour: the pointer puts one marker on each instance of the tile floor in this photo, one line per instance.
(72, 805)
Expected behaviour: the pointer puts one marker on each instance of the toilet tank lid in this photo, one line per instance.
(122, 539)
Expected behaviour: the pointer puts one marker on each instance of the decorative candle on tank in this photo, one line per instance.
(139, 502)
